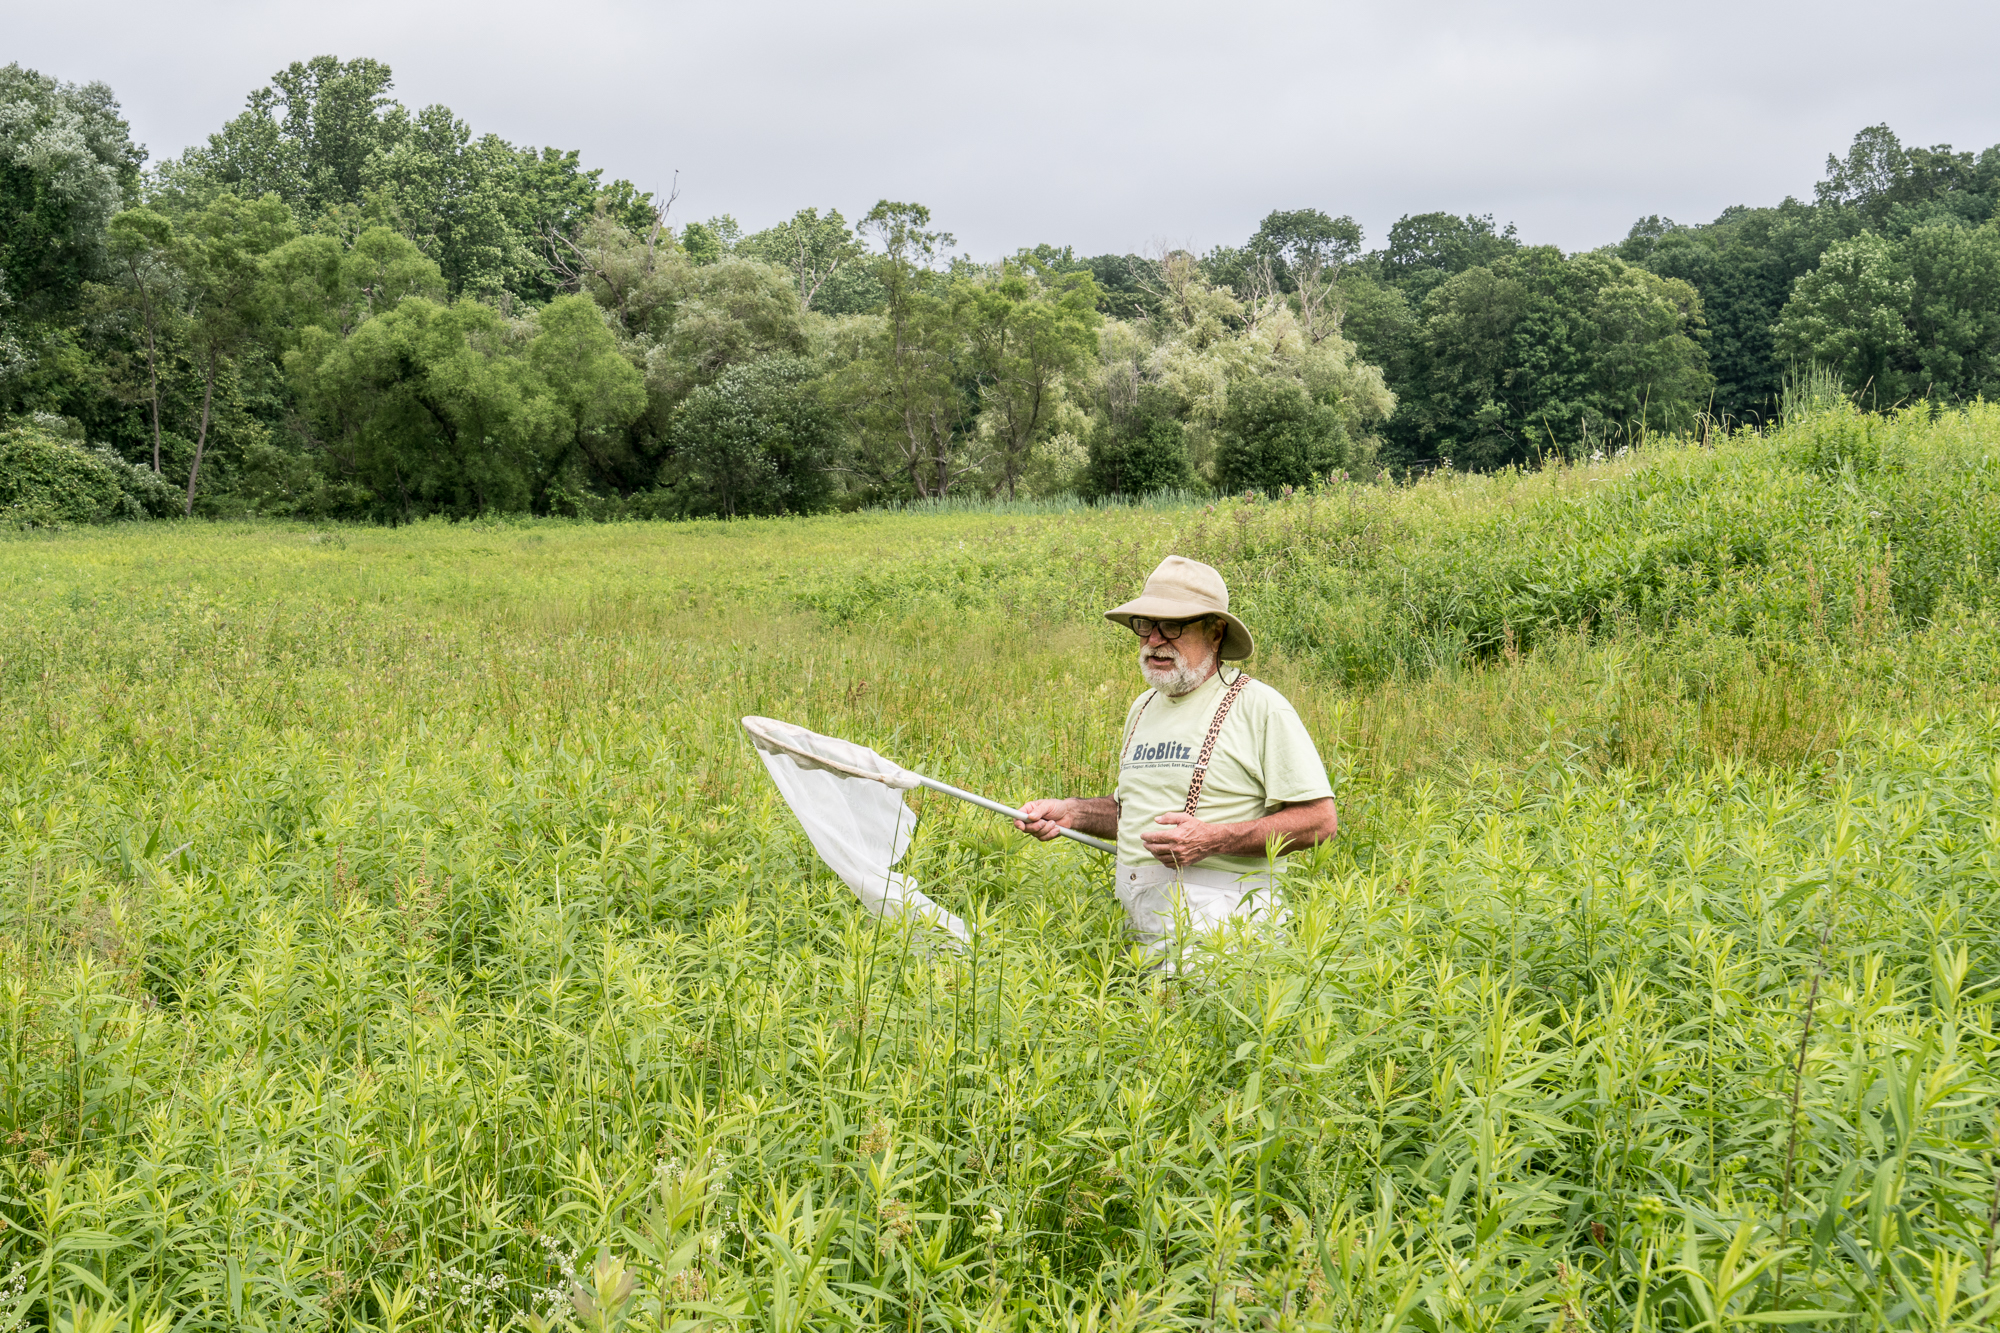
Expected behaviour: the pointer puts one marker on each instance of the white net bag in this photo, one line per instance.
(850, 801)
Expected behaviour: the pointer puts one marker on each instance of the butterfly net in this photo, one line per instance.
(850, 801)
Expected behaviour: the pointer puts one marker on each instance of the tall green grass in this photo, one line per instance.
(396, 931)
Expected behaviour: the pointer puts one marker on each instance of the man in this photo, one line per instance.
(1215, 772)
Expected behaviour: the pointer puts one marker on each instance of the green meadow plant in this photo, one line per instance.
(396, 931)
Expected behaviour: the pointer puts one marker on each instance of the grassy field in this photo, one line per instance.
(396, 930)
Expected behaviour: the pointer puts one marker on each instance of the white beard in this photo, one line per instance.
(1176, 680)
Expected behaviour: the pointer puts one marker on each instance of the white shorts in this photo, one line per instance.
(1158, 898)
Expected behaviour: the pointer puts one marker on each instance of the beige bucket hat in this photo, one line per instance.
(1183, 589)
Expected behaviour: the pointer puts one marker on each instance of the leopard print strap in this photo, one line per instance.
(1208, 743)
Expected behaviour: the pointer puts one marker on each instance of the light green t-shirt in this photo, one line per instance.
(1263, 759)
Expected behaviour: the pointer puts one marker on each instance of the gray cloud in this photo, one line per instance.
(1110, 126)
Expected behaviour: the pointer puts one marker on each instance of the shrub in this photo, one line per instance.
(754, 442)
(48, 478)
(1144, 455)
(1273, 435)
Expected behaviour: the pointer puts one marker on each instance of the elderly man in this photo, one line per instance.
(1215, 773)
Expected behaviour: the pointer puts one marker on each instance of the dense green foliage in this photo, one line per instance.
(327, 139)
(1916, 316)
(397, 932)
(1538, 354)
(49, 479)
(1744, 265)
(756, 442)
(341, 307)
(1143, 453)
(1274, 437)
(67, 164)
(1747, 263)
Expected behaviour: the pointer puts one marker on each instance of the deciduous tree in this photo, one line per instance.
(1302, 253)
(809, 247)
(1743, 264)
(1273, 435)
(142, 245)
(1540, 352)
(322, 281)
(1424, 249)
(1142, 451)
(432, 406)
(1878, 177)
(306, 137)
(1027, 340)
(67, 165)
(907, 393)
(220, 255)
(595, 389)
(1901, 319)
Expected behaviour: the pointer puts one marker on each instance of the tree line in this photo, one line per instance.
(340, 307)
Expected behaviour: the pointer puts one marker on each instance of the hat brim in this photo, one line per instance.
(1236, 641)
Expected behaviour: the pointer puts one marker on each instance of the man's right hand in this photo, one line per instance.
(1045, 817)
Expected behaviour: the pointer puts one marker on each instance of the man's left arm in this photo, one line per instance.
(1181, 840)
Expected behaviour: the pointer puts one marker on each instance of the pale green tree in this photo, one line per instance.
(720, 315)
(906, 391)
(1301, 254)
(67, 165)
(813, 249)
(1203, 352)
(638, 274)
(1027, 342)
(323, 281)
(681, 324)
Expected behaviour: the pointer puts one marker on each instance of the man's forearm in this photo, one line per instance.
(1292, 827)
(1095, 815)
(1046, 818)
(1181, 840)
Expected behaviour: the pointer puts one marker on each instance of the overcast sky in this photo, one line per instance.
(1109, 125)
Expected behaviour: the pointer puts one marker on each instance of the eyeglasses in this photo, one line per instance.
(1169, 629)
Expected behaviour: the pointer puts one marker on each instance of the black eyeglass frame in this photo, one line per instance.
(1179, 627)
